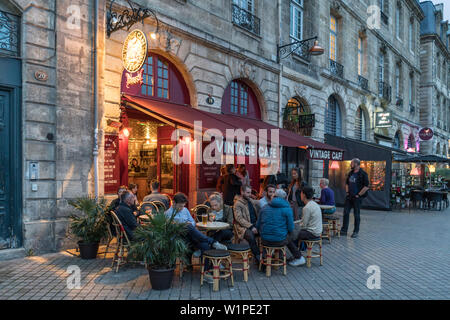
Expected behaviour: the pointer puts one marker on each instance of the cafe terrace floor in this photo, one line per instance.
(411, 250)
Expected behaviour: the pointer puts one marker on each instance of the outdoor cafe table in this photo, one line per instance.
(213, 225)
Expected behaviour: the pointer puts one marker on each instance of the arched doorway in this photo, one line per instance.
(333, 118)
(10, 128)
(411, 143)
(294, 109)
(145, 144)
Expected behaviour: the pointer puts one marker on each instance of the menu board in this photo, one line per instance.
(111, 165)
(209, 173)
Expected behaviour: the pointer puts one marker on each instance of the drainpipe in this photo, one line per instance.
(280, 75)
(280, 85)
(95, 151)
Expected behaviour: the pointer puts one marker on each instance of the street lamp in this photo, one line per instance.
(287, 49)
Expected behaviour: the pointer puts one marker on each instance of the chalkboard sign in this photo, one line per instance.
(111, 165)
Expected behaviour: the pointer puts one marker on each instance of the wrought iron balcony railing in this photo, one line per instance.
(363, 82)
(336, 69)
(384, 90)
(245, 19)
(412, 108)
(384, 17)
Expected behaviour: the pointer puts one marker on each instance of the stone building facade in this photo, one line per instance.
(371, 63)
(435, 79)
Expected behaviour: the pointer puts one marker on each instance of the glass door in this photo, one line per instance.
(167, 169)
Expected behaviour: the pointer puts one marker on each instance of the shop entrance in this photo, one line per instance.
(148, 156)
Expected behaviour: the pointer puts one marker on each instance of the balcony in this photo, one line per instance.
(384, 90)
(245, 19)
(384, 17)
(363, 83)
(336, 69)
(412, 108)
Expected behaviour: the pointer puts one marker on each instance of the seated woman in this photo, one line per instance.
(223, 213)
(327, 196)
(182, 215)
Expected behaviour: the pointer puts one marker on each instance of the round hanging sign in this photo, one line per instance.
(134, 51)
(426, 134)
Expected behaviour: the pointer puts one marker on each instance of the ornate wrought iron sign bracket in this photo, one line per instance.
(127, 18)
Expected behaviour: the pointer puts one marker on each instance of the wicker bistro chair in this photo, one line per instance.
(123, 243)
(311, 254)
(269, 261)
(217, 257)
(435, 199)
(326, 225)
(198, 210)
(111, 232)
(417, 197)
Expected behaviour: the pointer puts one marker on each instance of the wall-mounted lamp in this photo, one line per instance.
(300, 46)
(128, 18)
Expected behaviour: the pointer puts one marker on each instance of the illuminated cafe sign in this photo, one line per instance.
(383, 119)
(134, 51)
(321, 154)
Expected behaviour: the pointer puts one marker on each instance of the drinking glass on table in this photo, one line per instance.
(204, 219)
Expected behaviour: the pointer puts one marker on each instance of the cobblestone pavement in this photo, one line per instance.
(412, 251)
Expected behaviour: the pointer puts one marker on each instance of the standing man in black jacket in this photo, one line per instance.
(231, 185)
(356, 187)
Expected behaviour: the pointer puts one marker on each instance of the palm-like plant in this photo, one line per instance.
(91, 225)
(159, 242)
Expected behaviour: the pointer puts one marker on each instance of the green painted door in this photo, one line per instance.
(5, 195)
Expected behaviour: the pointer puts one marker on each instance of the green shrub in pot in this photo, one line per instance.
(89, 224)
(159, 243)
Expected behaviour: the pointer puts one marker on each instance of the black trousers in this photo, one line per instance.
(350, 203)
(249, 236)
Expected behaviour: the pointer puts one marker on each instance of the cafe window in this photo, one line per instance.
(156, 71)
(376, 170)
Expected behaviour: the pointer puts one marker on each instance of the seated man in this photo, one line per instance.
(125, 213)
(326, 196)
(269, 191)
(156, 196)
(310, 224)
(245, 217)
(223, 213)
(115, 203)
(195, 237)
(276, 220)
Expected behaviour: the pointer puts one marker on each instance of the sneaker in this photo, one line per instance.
(197, 253)
(297, 262)
(209, 280)
(219, 246)
(355, 235)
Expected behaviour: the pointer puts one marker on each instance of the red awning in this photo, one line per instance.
(186, 115)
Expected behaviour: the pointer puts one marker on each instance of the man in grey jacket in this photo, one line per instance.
(156, 196)
(311, 222)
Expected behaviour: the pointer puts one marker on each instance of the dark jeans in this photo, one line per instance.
(292, 245)
(222, 235)
(350, 203)
(251, 239)
(198, 239)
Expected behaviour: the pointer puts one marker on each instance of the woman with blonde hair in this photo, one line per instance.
(295, 189)
(222, 213)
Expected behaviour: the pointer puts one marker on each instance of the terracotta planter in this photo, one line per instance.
(161, 279)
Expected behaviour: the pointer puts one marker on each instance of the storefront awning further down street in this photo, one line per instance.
(425, 158)
(185, 115)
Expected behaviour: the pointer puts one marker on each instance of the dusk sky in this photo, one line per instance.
(446, 8)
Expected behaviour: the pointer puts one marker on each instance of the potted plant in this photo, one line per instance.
(91, 226)
(159, 243)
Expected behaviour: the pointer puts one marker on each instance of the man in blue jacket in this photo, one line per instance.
(276, 221)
